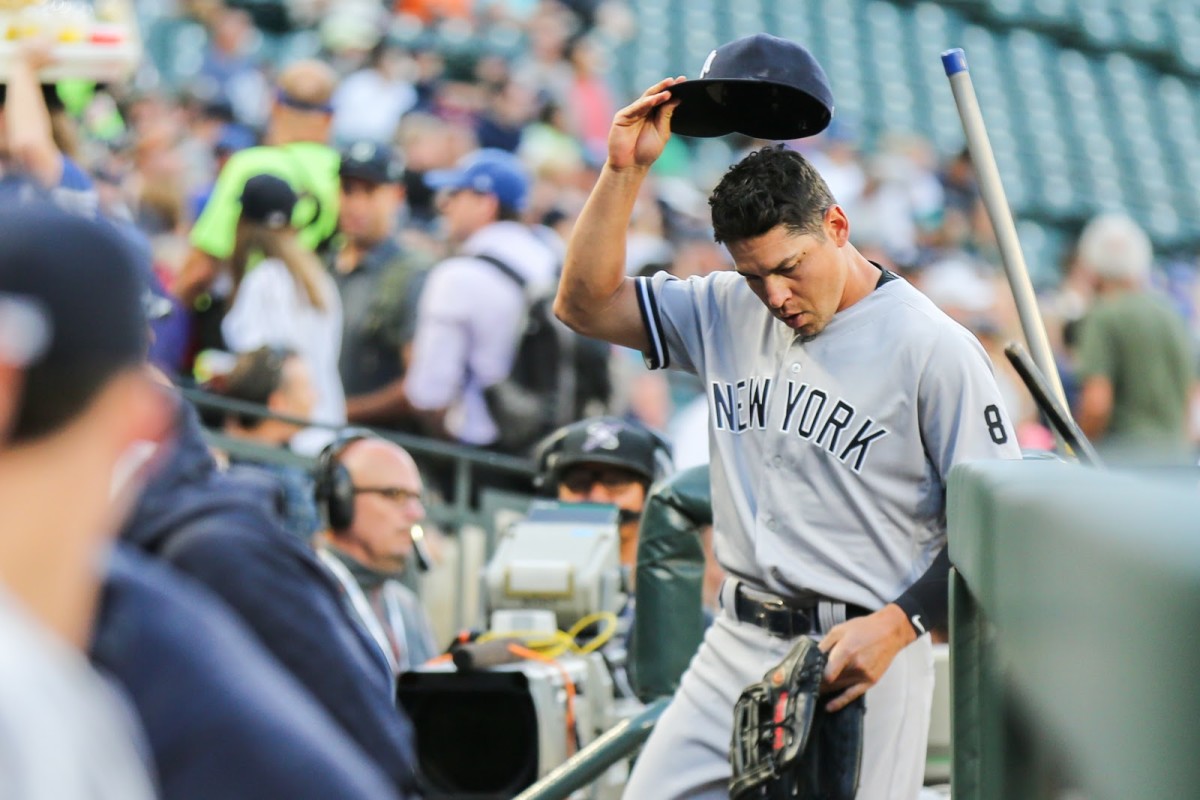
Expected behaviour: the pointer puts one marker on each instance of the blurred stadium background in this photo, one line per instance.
(1091, 104)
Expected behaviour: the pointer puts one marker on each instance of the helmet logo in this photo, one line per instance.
(708, 63)
(602, 436)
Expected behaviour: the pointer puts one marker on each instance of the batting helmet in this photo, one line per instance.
(603, 440)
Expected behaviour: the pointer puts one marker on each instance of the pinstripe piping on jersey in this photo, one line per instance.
(658, 357)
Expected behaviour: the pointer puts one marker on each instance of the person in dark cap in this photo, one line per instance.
(473, 307)
(605, 460)
(296, 149)
(611, 461)
(76, 408)
(840, 399)
(286, 300)
(379, 281)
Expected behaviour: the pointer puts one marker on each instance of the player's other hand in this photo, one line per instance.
(860, 651)
(641, 129)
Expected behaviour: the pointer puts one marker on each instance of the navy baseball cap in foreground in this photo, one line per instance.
(487, 171)
(761, 86)
(371, 162)
(80, 281)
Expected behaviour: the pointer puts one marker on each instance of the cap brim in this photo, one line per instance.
(359, 173)
(565, 462)
(756, 108)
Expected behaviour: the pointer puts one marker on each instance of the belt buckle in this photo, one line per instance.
(766, 611)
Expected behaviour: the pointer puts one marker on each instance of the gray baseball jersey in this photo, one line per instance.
(829, 457)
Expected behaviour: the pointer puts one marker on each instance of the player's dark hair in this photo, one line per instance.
(770, 187)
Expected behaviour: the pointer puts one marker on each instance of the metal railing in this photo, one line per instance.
(617, 743)
(1073, 601)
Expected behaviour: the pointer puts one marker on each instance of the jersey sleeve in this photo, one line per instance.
(962, 415)
(671, 314)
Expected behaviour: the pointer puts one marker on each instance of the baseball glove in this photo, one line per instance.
(785, 745)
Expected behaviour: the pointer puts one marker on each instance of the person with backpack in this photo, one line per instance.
(475, 304)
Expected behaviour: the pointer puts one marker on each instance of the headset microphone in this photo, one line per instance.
(420, 549)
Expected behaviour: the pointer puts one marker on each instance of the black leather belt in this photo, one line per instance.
(778, 618)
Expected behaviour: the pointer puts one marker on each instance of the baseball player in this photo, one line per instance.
(839, 399)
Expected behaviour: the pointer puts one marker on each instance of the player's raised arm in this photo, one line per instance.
(594, 296)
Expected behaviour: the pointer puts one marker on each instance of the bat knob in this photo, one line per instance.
(955, 61)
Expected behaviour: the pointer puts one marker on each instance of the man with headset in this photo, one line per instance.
(368, 491)
(605, 460)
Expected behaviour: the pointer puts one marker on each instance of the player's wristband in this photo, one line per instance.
(926, 603)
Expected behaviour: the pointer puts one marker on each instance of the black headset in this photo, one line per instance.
(547, 452)
(334, 488)
(334, 492)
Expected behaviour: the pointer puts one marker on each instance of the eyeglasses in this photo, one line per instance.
(580, 481)
(397, 494)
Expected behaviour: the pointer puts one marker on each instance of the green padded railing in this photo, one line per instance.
(1074, 604)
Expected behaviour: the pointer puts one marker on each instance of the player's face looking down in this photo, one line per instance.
(800, 277)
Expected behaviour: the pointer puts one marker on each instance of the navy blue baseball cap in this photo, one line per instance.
(371, 162)
(72, 291)
(488, 171)
(269, 200)
(761, 86)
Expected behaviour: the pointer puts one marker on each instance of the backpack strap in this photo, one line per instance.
(508, 271)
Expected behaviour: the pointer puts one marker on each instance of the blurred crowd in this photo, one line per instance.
(413, 89)
(354, 213)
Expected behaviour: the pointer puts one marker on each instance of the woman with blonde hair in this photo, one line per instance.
(286, 299)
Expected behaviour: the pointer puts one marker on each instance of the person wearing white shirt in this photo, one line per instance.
(471, 311)
(286, 300)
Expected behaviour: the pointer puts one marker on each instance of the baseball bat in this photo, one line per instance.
(1057, 413)
(996, 202)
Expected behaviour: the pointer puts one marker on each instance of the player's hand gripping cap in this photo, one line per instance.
(785, 745)
(759, 85)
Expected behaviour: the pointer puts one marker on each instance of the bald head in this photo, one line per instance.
(387, 504)
(302, 113)
(309, 82)
(366, 458)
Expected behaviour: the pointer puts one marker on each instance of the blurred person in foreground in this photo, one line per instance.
(79, 409)
(1134, 359)
(220, 529)
(222, 717)
(296, 150)
(379, 281)
(278, 379)
(370, 492)
(286, 300)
